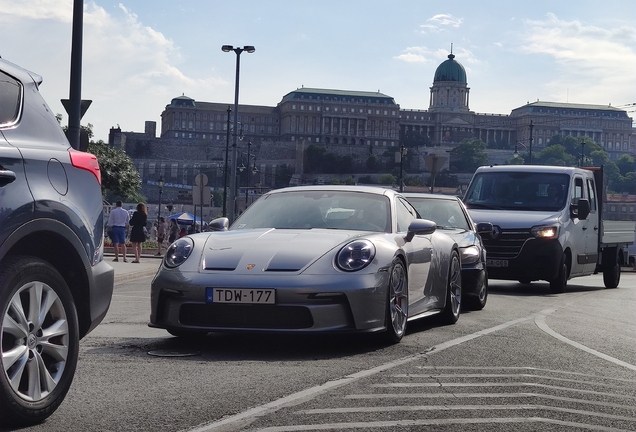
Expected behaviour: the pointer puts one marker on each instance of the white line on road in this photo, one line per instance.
(539, 320)
(249, 416)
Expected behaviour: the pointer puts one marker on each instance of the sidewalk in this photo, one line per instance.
(147, 266)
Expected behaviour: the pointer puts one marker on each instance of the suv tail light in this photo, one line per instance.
(86, 161)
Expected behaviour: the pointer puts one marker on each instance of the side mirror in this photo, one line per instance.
(420, 227)
(219, 224)
(484, 228)
(581, 209)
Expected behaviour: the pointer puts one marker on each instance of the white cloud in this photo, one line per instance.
(416, 55)
(126, 64)
(605, 57)
(446, 20)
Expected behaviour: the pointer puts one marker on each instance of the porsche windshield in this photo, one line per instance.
(517, 191)
(318, 209)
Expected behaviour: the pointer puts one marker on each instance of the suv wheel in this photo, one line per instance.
(39, 340)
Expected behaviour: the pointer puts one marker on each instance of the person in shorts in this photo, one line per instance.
(118, 220)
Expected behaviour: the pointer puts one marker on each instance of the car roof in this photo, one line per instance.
(19, 72)
(429, 196)
(338, 188)
(529, 168)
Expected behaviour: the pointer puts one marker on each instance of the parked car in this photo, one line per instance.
(311, 259)
(54, 285)
(452, 218)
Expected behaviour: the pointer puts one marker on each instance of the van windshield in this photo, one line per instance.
(517, 191)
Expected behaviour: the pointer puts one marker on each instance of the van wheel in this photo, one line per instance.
(39, 340)
(611, 268)
(558, 284)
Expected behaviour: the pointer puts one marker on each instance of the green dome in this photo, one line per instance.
(450, 70)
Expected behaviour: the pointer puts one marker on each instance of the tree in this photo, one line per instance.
(469, 155)
(387, 179)
(120, 178)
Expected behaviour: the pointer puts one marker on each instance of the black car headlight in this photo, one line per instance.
(548, 232)
(178, 252)
(470, 255)
(356, 255)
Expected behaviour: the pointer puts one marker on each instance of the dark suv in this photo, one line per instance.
(54, 285)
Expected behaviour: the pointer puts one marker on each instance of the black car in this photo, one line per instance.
(54, 286)
(450, 216)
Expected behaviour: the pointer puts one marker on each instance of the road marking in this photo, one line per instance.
(438, 408)
(483, 396)
(539, 320)
(250, 415)
(439, 422)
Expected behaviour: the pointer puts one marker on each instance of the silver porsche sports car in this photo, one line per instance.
(311, 259)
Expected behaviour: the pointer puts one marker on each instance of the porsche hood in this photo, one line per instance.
(269, 249)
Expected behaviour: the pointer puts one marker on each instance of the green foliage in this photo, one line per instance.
(469, 155)
(372, 163)
(387, 179)
(120, 178)
(413, 181)
(283, 175)
(217, 198)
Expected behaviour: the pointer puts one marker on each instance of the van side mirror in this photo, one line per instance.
(581, 209)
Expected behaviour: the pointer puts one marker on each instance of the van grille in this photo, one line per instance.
(507, 245)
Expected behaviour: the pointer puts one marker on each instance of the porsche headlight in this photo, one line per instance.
(548, 232)
(470, 255)
(356, 255)
(178, 252)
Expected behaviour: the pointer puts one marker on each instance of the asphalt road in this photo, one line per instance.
(529, 361)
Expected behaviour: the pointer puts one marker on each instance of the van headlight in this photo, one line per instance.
(548, 232)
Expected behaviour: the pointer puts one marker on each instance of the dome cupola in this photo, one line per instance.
(450, 70)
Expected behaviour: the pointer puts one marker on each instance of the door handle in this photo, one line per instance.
(584, 228)
(6, 177)
(595, 228)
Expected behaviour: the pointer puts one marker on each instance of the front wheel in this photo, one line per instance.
(39, 338)
(452, 309)
(397, 308)
(559, 284)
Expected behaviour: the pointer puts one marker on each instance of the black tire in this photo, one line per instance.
(452, 308)
(611, 269)
(34, 348)
(477, 302)
(560, 283)
(397, 305)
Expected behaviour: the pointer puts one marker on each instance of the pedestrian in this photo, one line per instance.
(138, 233)
(174, 231)
(183, 232)
(118, 220)
(161, 233)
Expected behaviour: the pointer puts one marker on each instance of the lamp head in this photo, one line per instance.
(227, 48)
(160, 182)
(249, 48)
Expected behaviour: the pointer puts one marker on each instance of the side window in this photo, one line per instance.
(577, 191)
(591, 194)
(10, 99)
(405, 214)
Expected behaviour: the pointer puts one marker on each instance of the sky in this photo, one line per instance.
(139, 54)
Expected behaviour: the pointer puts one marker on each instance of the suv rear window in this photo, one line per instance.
(10, 99)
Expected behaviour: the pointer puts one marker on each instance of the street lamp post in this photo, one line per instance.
(160, 184)
(238, 51)
(227, 153)
(249, 145)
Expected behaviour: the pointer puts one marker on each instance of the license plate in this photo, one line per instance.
(240, 295)
(496, 263)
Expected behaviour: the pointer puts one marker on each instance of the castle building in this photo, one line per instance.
(194, 134)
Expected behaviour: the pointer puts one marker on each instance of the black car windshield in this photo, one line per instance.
(517, 191)
(444, 212)
(345, 210)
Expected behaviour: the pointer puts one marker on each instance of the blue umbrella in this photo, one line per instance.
(185, 218)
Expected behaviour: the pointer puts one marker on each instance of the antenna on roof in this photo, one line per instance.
(451, 47)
